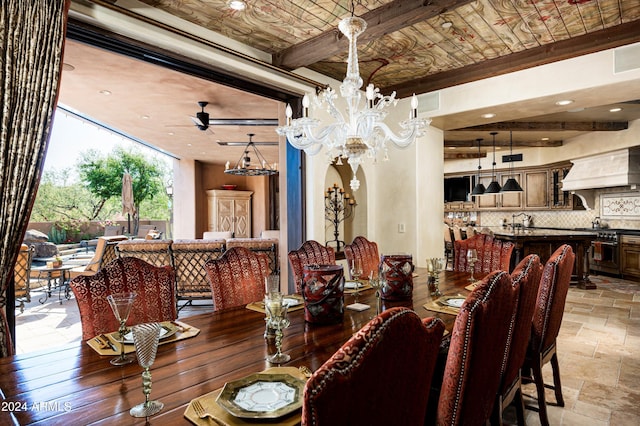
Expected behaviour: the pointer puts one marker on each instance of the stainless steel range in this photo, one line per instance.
(604, 255)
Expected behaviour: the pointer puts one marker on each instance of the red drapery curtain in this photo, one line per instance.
(32, 37)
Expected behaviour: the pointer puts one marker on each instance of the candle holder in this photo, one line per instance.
(338, 206)
(435, 266)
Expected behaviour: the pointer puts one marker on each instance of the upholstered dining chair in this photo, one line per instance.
(22, 276)
(366, 252)
(237, 277)
(547, 317)
(493, 254)
(267, 246)
(310, 253)
(448, 246)
(527, 275)
(479, 341)
(379, 376)
(155, 287)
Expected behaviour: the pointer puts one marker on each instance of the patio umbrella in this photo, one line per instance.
(128, 205)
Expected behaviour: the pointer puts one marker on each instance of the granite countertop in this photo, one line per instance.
(541, 232)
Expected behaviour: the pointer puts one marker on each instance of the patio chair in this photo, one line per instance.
(378, 377)
(22, 276)
(143, 230)
(310, 253)
(156, 252)
(104, 253)
(237, 277)
(155, 287)
(189, 257)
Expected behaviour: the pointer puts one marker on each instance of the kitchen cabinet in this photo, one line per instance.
(535, 186)
(511, 200)
(630, 255)
(230, 211)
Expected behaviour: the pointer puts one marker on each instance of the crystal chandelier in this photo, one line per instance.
(244, 167)
(359, 131)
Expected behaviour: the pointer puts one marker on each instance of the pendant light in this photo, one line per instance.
(494, 186)
(479, 188)
(511, 185)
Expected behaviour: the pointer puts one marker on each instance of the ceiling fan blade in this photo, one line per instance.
(197, 121)
(243, 122)
(245, 143)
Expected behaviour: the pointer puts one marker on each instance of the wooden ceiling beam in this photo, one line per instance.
(616, 36)
(460, 155)
(551, 126)
(473, 144)
(383, 20)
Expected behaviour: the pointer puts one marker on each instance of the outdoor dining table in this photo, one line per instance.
(60, 273)
(75, 385)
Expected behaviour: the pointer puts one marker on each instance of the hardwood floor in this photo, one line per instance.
(598, 349)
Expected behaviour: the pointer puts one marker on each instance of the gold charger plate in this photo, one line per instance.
(262, 396)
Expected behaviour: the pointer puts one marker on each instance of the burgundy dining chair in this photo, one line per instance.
(237, 277)
(493, 254)
(155, 286)
(479, 341)
(378, 377)
(527, 275)
(366, 252)
(310, 253)
(547, 318)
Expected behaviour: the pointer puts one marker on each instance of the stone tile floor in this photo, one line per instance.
(598, 349)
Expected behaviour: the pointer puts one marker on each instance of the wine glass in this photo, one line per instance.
(376, 283)
(356, 271)
(277, 320)
(121, 304)
(472, 258)
(146, 337)
(435, 266)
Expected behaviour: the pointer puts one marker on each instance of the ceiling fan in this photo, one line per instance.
(202, 120)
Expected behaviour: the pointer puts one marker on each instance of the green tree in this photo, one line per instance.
(103, 178)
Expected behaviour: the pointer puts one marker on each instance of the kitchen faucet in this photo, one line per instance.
(513, 220)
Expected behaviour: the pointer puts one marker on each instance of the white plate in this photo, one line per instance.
(454, 302)
(166, 330)
(353, 285)
(290, 301)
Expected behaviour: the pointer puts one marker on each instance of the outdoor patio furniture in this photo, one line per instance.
(22, 276)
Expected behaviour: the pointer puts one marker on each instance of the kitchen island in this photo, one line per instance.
(544, 241)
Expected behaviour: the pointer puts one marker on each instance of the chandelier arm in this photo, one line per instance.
(405, 138)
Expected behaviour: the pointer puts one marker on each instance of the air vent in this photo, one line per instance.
(429, 102)
(626, 58)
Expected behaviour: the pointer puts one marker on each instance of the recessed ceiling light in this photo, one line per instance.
(237, 4)
(188, 144)
(446, 25)
(171, 133)
(144, 117)
(452, 147)
(544, 139)
(615, 110)
(564, 102)
(488, 115)
(105, 92)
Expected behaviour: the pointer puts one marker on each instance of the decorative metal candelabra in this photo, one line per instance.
(338, 206)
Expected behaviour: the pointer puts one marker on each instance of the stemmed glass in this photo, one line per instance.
(356, 271)
(435, 266)
(376, 283)
(146, 337)
(277, 320)
(121, 304)
(472, 258)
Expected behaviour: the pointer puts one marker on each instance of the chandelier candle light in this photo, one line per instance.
(244, 168)
(361, 130)
(338, 206)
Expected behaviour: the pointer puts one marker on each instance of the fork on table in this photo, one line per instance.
(202, 413)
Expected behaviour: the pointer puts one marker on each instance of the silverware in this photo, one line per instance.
(202, 413)
(108, 342)
(305, 371)
(181, 328)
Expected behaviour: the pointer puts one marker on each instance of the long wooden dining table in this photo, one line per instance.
(73, 384)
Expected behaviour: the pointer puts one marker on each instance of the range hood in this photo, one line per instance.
(619, 168)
